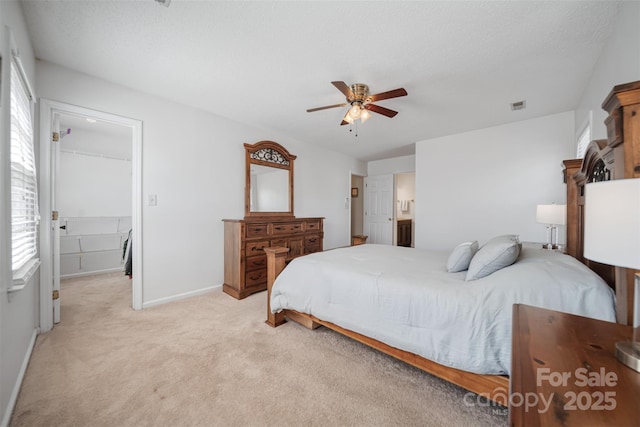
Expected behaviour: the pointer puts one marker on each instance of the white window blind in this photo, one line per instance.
(583, 141)
(24, 194)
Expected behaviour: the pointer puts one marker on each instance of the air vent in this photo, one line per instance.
(520, 105)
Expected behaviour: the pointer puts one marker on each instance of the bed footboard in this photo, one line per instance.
(276, 261)
(276, 258)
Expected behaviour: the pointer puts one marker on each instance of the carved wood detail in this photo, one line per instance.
(617, 157)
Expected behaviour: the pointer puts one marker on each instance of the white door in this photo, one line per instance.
(379, 209)
(55, 221)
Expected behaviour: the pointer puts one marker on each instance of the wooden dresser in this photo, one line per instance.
(245, 262)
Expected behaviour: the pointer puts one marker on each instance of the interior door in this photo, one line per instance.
(379, 209)
(55, 221)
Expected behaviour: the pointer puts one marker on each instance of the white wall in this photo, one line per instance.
(93, 186)
(194, 162)
(406, 190)
(619, 63)
(479, 184)
(19, 313)
(357, 205)
(393, 165)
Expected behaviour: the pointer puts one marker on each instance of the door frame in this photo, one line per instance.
(48, 108)
(348, 202)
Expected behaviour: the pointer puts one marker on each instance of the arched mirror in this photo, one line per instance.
(268, 187)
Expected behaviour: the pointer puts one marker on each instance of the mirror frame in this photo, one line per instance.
(276, 157)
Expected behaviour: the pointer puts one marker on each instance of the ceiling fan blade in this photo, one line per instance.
(311, 110)
(346, 90)
(386, 95)
(380, 110)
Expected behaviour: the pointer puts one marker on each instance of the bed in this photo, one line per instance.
(405, 298)
(474, 353)
(404, 302)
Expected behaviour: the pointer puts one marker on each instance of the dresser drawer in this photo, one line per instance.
(313, 240)
(256, 263)
(257, 230)
(311, 249)
(257, 277)
(256, 248)
(287, 227)
(312, 225)
(283, 243)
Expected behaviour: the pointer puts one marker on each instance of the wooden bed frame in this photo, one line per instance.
(495, 387)
(620, 159)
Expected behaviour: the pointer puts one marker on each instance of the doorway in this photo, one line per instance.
(95, 223)
(93, 197)
(393, 201)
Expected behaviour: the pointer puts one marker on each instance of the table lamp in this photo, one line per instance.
(612, 236)
(552, 215)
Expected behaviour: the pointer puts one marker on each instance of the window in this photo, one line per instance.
(584, 139)
(24, 194)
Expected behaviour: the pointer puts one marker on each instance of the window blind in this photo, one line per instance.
(583, 142)
(24, 194)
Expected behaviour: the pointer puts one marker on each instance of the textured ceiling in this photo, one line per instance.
(266, 62)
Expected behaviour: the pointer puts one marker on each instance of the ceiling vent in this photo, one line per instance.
(520, 105)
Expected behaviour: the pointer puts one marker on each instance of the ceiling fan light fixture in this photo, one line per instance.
(355, 110)
(361, 103)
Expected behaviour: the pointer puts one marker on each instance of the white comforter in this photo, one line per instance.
(404, 297)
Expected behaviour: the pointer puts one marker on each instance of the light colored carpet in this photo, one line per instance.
(211, 360)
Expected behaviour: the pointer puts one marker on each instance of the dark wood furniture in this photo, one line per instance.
(565, 369)
(358, 239)
(268, 158)
(245, 261)
(404, 233)
(616, 157)
(268, 222)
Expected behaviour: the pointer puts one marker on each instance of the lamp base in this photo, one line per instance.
(627, 354)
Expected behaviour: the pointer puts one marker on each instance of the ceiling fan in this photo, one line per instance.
(361, 102)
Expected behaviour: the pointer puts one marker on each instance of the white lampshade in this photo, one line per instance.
(551, 214)
(612, 222)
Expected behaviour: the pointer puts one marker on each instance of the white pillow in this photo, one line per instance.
(461, 256)
(497, 253)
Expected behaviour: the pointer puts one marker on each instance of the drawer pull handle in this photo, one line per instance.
(312, 240)
(278, 228)
(254, 277)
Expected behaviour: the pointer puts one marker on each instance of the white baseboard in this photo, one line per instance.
(91, 273)
(179, 296)
(16, 388)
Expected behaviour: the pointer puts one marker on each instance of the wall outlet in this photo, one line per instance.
(153, 200)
